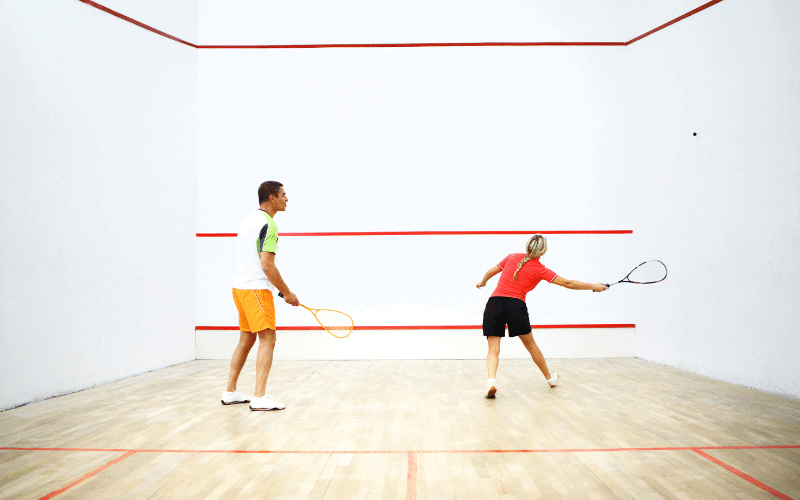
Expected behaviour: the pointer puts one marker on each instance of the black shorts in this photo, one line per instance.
(502, 311)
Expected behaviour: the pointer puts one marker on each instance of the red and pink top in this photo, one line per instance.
(529, 276)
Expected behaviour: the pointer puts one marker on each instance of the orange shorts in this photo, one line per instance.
(256, 310)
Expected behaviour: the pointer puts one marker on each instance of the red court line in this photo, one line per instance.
(379, 452)
(403, 45)
(420, 44)
(425, 233)
(87, 476)
(137, 23)
(411, 482)
(430, 327)
(679, 18)
(742, 475)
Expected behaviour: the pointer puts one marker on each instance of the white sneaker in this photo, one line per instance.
(490, 388)
(235, 397)
(265, 403)
(553, 380)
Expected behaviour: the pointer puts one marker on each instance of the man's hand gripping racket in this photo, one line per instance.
(646, 273)
(332, 321)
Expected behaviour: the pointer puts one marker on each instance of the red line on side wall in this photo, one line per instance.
(137, 23)
(87, 476)
(429, 327)
(742, 475)
(425, 233)
(680, 18)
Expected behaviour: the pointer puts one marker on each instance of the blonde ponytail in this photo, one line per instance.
(535, 248)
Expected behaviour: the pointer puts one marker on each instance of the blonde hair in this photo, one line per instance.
(535, 248)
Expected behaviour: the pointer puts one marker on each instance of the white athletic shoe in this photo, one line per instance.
(553, 380)
(265, 403)
(490, 388)
(235, 397)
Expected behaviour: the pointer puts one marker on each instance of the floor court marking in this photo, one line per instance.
(742, 475)
(411, 482)
(411, 476)
(87, 476)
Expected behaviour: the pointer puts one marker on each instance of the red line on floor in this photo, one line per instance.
(137, 23)
(742, 475)
(411, 483)
(431, 327)
(426, 233)
(680, 18)
(87, 476)
(542, 450)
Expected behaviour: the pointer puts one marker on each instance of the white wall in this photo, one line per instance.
(429, 139)
(97, 199)
(722, 207)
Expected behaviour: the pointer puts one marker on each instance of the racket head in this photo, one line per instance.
(337, 323)
(650, 271)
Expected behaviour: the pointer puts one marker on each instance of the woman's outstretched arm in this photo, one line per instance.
(579, 285)
(489, 274)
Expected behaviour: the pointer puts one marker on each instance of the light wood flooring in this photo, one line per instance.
(613, 428)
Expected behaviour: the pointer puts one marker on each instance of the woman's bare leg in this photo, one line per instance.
(536, 354)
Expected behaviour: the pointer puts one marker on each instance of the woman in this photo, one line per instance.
(521, 272)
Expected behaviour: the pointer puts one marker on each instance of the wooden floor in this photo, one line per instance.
(614, 428)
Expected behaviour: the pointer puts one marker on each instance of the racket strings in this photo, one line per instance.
(649, 272)
(334, 322)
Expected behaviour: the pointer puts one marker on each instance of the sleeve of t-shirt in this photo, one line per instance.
(502, 264)
(268, 238)
(549, 275)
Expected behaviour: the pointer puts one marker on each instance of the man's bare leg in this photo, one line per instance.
(246, 342)
(266, 346)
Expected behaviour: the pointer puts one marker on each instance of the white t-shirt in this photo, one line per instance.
(257, 233)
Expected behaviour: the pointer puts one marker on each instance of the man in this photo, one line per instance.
(253, 285)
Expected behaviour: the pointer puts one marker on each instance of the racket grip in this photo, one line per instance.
(280, 294)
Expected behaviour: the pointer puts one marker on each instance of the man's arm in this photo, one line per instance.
(274, 276)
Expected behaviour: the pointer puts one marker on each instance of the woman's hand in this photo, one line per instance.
(599, 287)
(481, 284)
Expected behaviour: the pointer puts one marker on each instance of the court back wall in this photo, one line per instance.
(527, 138)
(428, 139)
(97, 199)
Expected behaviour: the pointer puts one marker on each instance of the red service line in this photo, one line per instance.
(429, 327)
(425, 233)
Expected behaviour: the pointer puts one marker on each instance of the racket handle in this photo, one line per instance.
(280, 294)
(606, 284)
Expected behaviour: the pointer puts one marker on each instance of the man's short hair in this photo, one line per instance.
(268, 188)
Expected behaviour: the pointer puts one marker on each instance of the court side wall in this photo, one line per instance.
(97, 200)
(723, 205)
(429, 139)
